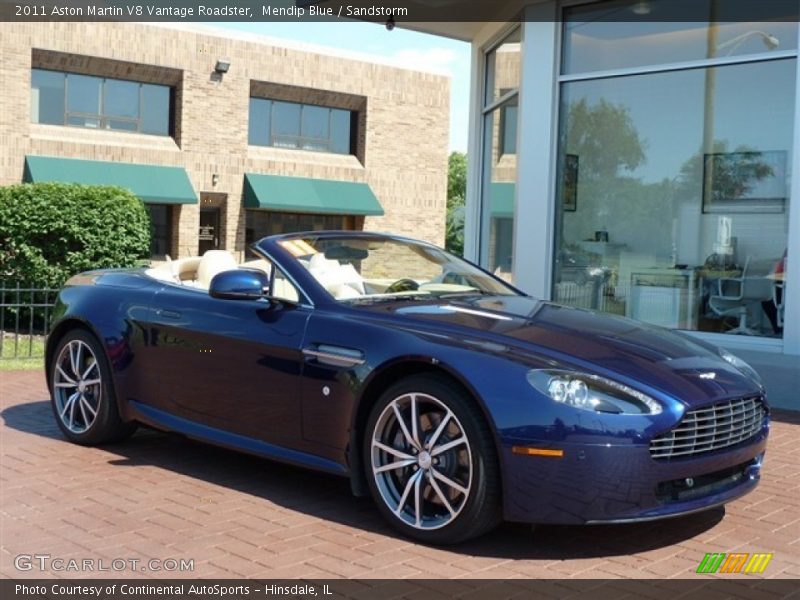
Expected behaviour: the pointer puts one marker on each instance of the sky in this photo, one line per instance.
(409, 48)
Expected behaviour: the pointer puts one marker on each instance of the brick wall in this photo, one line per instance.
(404, 118)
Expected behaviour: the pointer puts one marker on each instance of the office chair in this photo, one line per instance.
(731, 300)
(777, 300)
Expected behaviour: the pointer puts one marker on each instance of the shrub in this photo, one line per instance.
(51, 231)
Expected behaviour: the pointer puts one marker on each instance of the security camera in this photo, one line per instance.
(390, 23)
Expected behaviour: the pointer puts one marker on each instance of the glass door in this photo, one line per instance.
(208, 237)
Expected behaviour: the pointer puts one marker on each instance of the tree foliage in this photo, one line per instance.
(732, 174)
(456, 179)
(51, 231)
(456, 194)
(604, 137)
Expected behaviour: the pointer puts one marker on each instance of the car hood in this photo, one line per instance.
(542, 333)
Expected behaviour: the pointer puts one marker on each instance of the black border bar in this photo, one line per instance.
(383, 11)
(734, 587)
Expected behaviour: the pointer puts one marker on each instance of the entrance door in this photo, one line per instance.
(208, 238)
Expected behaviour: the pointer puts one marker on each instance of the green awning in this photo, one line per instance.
(151, 183)
(305, 195)
(502, 200)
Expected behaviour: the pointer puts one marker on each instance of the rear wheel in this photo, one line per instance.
(82, 393)
(431, 463)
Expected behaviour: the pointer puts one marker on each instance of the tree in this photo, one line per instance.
(456, 179)
(732, 175)
(51, 231)
(456, 194)
(604, 137)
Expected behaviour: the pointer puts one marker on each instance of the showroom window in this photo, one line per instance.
(261, 223)
(160, 229)
(59, 98)
(301, 126)
(675, 147)
(499, 166)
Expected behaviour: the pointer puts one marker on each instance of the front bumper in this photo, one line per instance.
(608, 483)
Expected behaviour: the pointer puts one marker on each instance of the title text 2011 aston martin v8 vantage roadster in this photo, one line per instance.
(452, 398)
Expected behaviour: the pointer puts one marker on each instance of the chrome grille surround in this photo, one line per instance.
(706, 429)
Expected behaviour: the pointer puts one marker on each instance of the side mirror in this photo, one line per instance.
(239, 284)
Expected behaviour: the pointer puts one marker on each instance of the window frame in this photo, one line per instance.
(790, 337)
(494, 108)
(301, 140)
(104, 119)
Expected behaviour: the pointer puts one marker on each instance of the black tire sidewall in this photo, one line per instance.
(481, 510)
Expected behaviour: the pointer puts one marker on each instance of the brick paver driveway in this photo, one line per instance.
(159, 496)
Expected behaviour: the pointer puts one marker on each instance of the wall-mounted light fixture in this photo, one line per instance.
(770, 41)
(214, 179)
(222, 66)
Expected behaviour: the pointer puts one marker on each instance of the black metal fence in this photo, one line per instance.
(25, 313)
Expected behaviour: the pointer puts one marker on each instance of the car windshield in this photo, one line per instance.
(357, 269)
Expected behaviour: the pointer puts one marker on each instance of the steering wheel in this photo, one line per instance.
(402, 285)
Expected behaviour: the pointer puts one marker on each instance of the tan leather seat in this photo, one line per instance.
(283, 289)
(213, 262)
(341, 281)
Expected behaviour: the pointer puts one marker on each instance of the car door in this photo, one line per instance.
(233, 365)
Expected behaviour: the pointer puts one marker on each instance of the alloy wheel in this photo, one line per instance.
(421, 461)
(77, 386)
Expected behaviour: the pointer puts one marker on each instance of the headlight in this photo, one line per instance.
(741, 365)
(592, 392)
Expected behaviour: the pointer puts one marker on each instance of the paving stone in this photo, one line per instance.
(160, 496)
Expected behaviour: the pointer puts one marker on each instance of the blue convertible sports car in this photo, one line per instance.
(452, 398)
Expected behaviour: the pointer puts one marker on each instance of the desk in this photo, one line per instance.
(719, 273)
(666, 297)
(608, 251)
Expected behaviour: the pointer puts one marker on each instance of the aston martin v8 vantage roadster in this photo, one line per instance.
(452, 398)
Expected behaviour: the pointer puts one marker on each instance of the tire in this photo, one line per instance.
(82, 393)
(443, 497)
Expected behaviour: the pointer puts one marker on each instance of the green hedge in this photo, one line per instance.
(51, 231)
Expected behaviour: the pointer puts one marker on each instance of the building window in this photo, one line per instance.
(262, 223)
(508, 128)
(59, 98)
(301, 126)
(605, 36)
(501, 91)
(160, 229)
(674, 180)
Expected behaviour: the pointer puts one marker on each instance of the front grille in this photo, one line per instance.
(705, 429)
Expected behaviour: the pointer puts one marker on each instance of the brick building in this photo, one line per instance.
(226, 137)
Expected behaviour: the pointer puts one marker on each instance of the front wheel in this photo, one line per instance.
(82, 392)
(431, 463)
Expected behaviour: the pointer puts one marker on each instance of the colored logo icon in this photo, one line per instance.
(741, 562)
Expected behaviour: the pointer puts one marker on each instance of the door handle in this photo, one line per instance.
(334, 356)
(168, 314)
